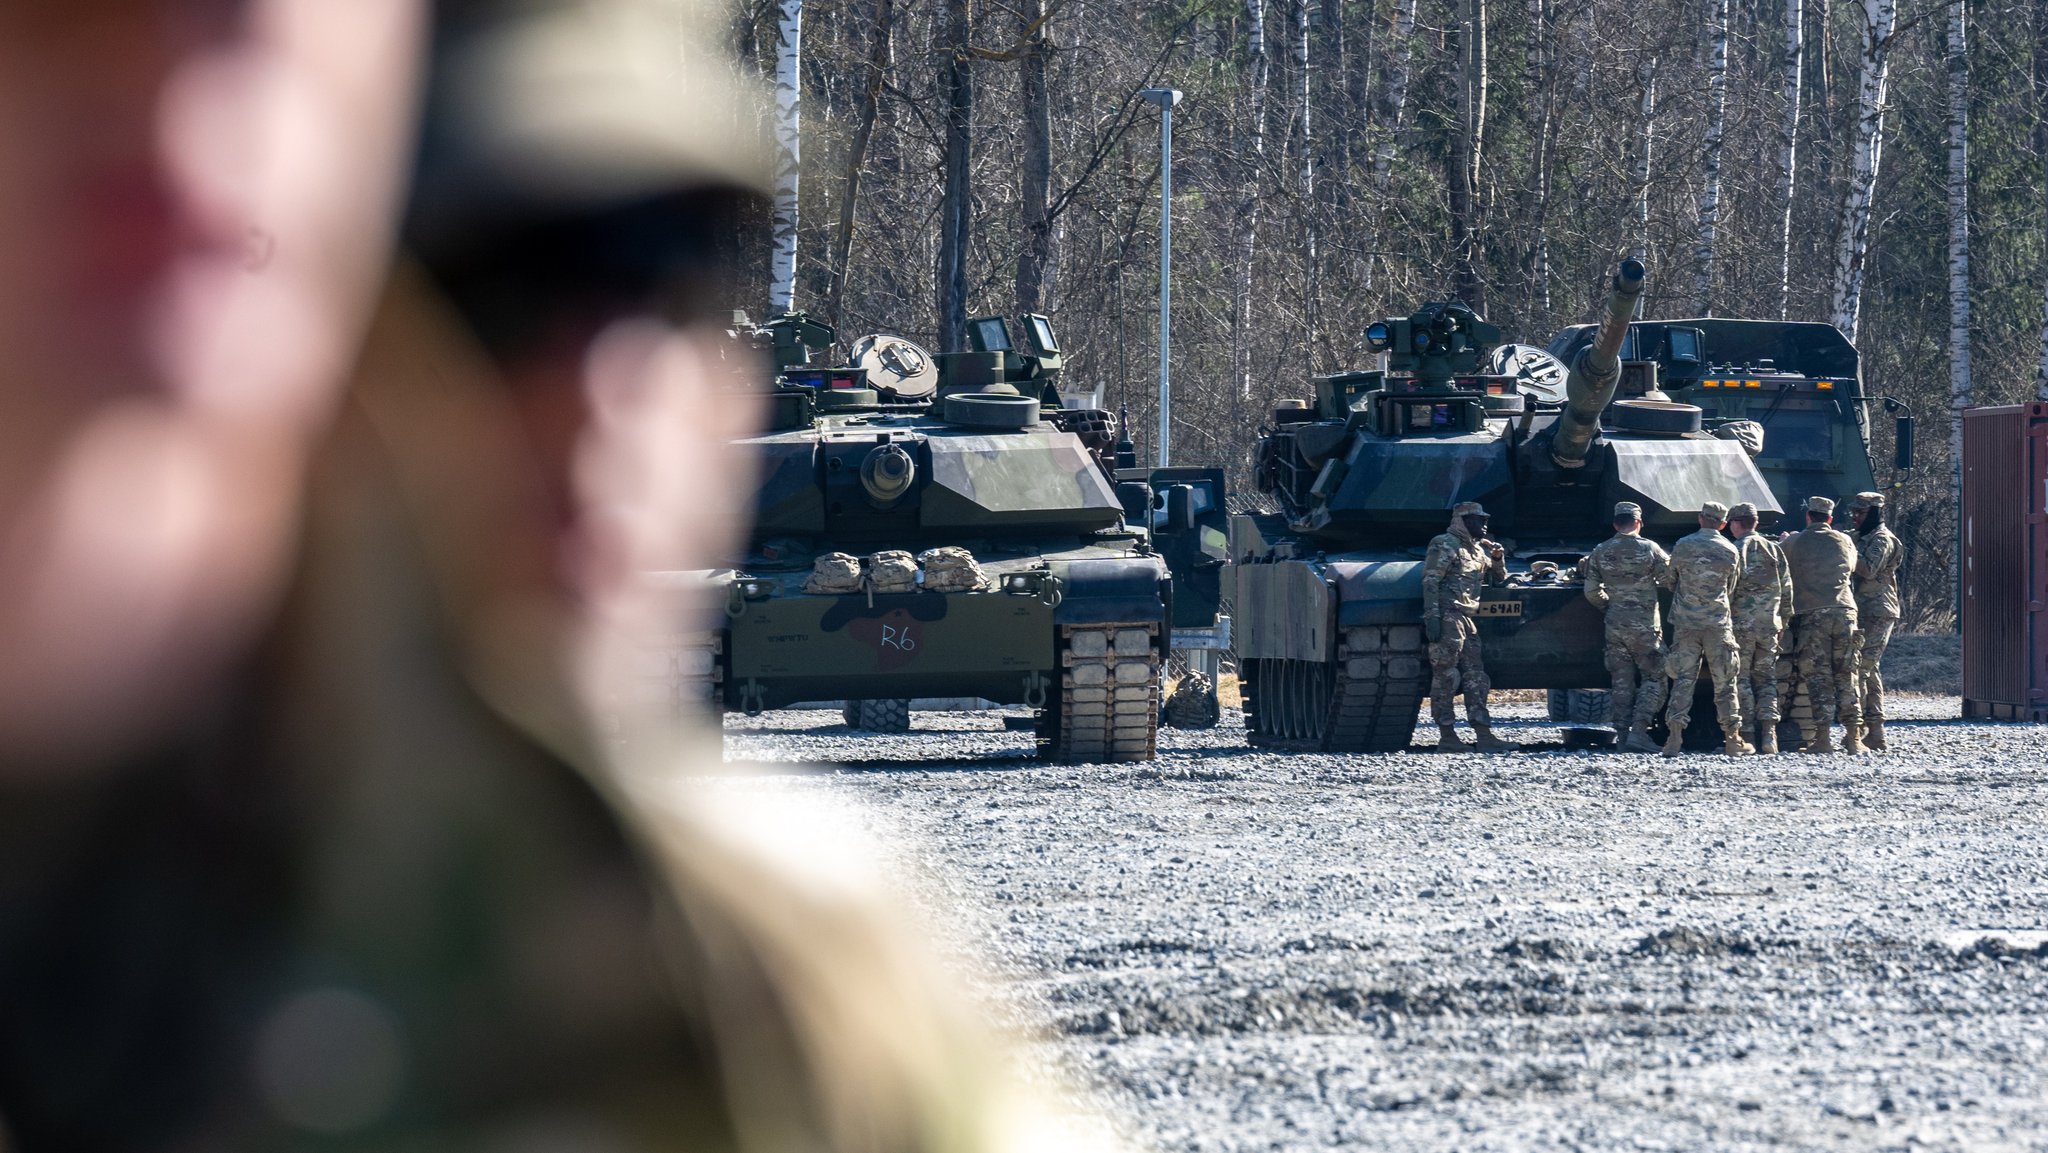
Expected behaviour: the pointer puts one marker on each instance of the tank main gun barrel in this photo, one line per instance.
(1596, 372)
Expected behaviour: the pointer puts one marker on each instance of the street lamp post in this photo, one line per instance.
(1165, 98)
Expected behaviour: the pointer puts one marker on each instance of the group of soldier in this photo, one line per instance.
(1734, 601)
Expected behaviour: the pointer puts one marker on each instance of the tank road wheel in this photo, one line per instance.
(1107, 703)
(884, 716)
(1578, 706)
(1380, 677)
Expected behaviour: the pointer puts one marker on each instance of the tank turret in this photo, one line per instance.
(1596, 372)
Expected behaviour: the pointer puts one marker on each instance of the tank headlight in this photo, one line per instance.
(1378, 336)
(755, 590)
(1021, 583)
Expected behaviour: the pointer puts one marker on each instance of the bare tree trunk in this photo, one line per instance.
(1256, 65)
(788, 154)
(1880, 17)
(1710, 161)
(1400, 55)
(2041, 150)
(1469, 146)
(1035, 258)
(857, 154)
(1793, 60)
(1959, 385)
(1647, 75)
(1542, 88)
(1303, 93)
(956, 85)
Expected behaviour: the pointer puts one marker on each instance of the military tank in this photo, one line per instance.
(942, 526)
(1328, 590)
(1799, 381)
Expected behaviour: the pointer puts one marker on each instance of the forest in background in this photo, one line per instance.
(1340, 160)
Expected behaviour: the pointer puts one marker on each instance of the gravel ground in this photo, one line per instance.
(1238, 949)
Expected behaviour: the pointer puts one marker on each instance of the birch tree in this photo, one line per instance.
(1542, 86)
(1645, 137)
(1792, 62)
(1710, 159)
(1880, 19)
(1252, 164)
(1468, 147)
(1303, 93)
(1400, 58)
(788, 154)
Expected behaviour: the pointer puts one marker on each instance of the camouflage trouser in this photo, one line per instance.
(1635, 671)
(1689, 646)
(1827, 662)
(1756, 679)
(1454, 662)
(1873, 636)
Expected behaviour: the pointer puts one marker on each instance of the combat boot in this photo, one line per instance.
(1672, 742)
(1873, 735)
(1767, 740)
(1447, 738)
(1734, 744)
(1820, 740)
(1639, 741)
(1486, 742)
(1852, 740)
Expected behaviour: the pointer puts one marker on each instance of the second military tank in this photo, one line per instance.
(942, 526)
(1328, 590)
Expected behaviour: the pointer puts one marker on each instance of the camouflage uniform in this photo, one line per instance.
(1704, 568)
(1763, 605)
(1456, 567)
(1623, 575)
(1822, 561)
(1879, 553)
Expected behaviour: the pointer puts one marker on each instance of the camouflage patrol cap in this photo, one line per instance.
(1820, 504)
(541, 108)
(1713, 510)
(1742, 511)
(1867, 500)
(1468, 508)
(1628, 510)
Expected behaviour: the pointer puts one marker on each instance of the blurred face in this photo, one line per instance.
(195, 197)
(1741, 527)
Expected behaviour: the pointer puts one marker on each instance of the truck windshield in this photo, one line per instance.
(1796, 437)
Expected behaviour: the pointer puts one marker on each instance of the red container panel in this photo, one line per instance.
(2005, 562)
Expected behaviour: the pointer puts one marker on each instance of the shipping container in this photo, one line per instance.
(2005, 562)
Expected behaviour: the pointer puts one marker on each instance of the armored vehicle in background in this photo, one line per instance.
(1801, 382)
(942, 526)
(1329, 589)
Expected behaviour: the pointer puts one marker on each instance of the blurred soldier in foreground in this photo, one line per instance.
(1459, 563)
(1763, 607)
(1878, 556)
(1822, 561)
(1704, 567)
(310, 846)
(1623, 575)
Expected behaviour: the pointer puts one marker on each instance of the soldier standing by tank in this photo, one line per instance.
(1459, 562)
(1823, 561)
(1763, 603)
(1704, 568)
(1878, 555)
(1622, 577)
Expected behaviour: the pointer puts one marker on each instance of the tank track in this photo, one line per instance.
(1107, 707)
(1365, 701)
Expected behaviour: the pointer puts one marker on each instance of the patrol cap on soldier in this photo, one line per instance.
(1863, 500)
(1627, 510)
(1820, 505)
(1742, 511)
(1468, 508)
(1714, 510)
(574, 152)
